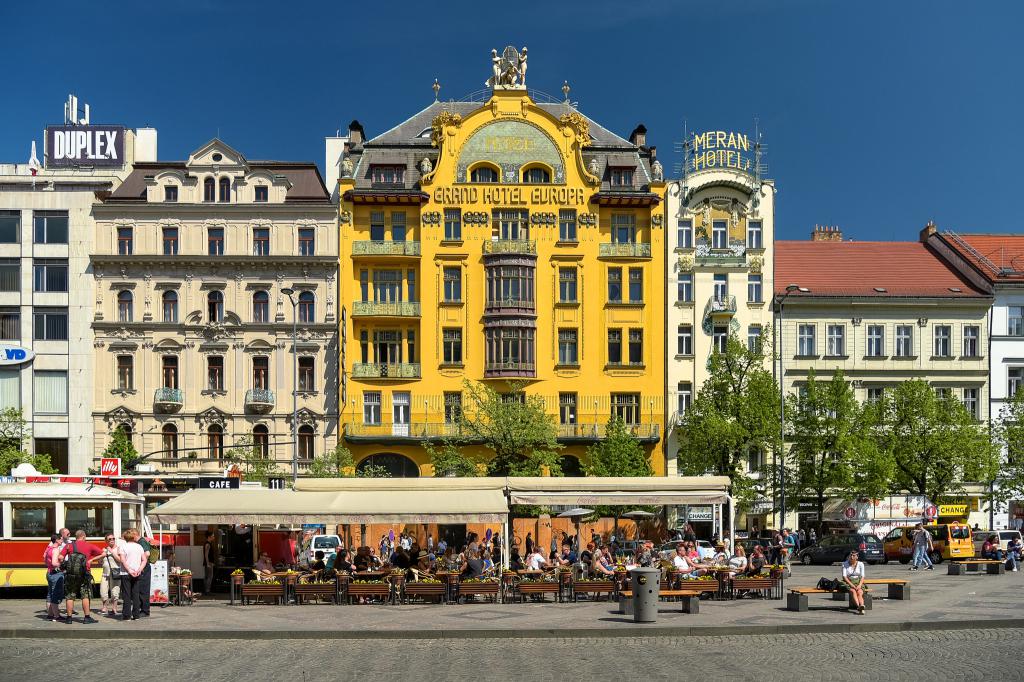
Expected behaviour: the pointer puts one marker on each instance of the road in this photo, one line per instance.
(938, 655)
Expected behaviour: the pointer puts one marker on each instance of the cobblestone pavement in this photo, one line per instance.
(937, 655)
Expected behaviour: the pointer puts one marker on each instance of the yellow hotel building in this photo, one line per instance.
(498, 240)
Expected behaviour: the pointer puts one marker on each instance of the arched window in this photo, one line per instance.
(396, 466)
(307, 307)
(126, 429)
(261, 440)
(570, 466)
(484, 174)
(536, 176)
(215, 306)
(170, 299)
(215, 441)
(261, 307)
(306, 442)
(209, 190)
(170, 442)
(124, 306)
(225, 190)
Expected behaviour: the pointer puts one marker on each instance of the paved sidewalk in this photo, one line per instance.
(937, 601)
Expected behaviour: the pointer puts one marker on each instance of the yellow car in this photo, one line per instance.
(949, 541)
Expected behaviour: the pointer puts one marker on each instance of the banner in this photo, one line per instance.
(158, 583)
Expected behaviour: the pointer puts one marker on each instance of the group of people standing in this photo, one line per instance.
(126, 575)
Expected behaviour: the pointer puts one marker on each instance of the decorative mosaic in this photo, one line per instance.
(510, 145)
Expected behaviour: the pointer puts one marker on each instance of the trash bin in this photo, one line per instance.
(646, 586)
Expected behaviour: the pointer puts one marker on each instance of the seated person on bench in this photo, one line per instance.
(683, 565)
(990, 550)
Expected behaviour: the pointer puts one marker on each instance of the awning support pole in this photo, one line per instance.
(732, 524)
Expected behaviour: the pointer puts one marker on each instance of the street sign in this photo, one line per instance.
(110, 466)
(219, 483)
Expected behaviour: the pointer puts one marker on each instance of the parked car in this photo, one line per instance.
(949, 541)
(328, 544)
(749, 543)
(836, 548)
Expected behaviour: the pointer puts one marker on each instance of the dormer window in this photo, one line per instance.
(262, 194)
(387, 175)
(620, 177)
(209, 190)
(536, 176)
(484, 174)
(225, 190)
(170, 193)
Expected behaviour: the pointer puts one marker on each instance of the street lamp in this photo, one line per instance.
(790, 289)
(289, 292)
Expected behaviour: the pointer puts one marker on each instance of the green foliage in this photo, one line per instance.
(338, 463)
(736, 412)
(448, 459)
(14, 436)
(619, 453)
(10, 458)
(1009, 435)
(373, 471)
(121, 446)
(250, 460)
(515, 427)
(934, 442)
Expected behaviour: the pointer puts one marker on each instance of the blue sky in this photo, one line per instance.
(878, 116)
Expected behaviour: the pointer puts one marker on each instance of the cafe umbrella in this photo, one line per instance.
(576, 513)
(637, 515)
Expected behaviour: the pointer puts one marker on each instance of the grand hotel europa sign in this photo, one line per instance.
(720, 149)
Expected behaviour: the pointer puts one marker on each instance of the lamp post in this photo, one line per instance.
(790, 289)
(290, 293)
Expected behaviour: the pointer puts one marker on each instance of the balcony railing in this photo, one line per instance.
(624, 250)
(375, 309)
(720, 305)
(200, 462)
(646, 432)
(168, 399)
(385, 248)
(416, 431)
(509, 303)
(259, 400)
(526, 247)
(379, 370)
(509, 369)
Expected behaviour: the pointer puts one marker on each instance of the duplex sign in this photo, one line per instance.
(71, 145)
(15, 355)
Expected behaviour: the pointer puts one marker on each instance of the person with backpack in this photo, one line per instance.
(76, 561)
(133, 562)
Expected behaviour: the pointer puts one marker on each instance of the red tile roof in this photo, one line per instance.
(901, 269)
(998, 257)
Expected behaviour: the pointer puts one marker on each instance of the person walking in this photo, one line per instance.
(853, 579)
(133, 559)
(529, 544)
(922, 544)
(77, 559)
(54, 577)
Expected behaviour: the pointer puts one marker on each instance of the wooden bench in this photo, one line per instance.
(898, 589)
(797, 598)
(961, 566)
(689, 600)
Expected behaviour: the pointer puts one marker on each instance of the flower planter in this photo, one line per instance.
(426, 590)
(382, 590)
(538, 588)
(484, 589)
(250, 591)
(314, 590)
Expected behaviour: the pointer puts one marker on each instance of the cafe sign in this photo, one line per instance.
(720, 149)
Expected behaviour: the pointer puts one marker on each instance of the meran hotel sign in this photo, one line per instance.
(719, 149)
(510, 196)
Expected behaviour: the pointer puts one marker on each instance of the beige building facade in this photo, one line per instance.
(200, 269)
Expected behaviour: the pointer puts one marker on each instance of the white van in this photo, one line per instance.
(1005, 535)
(328, 544)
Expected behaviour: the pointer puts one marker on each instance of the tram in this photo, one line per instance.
(31, 512)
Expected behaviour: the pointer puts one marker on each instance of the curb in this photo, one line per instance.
(572, 633)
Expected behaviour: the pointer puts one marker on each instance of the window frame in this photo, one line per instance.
(942, 334)
(684, 233)
(684, 340)
(835, 340)
(875, 343)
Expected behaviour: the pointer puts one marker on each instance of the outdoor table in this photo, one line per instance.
(288, 579)
(181, 586)
(722, 577)
(451, 580)
(565, 586)
(341, 587)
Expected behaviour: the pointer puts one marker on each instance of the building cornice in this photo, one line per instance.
(198, 261)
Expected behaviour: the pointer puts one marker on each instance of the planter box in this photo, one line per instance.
(538, 588)
(479, 589)
(307, 590)
(594, 586)
(415, 589)
(369, 590)
(263, 591)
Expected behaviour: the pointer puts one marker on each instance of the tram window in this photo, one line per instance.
(33, 519)
(130, 517)
(95, 518)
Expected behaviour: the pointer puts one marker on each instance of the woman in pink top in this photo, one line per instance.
(133, 560)
(54, 577)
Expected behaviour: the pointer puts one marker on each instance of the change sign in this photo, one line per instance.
(70, 145)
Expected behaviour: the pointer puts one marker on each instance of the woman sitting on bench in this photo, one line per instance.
(853, 579)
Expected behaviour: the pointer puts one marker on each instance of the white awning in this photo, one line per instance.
(640, 490)
(253, 507)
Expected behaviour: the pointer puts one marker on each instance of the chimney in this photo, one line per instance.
(639, 136)
(826, 233)
(929, 229)
(355, 133)
(654, 153)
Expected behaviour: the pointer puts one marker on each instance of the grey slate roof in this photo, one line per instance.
(307, 184)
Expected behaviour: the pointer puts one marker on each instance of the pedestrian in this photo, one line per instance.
(430, 543)
(110, 582)
(813, 536)
(853, 579)
(54, 577)
(529, 544)
(146, 579)
(133, 560)
(209, 547)
(65, 536)
(76, 560)
(1013, 550)
(922, 545)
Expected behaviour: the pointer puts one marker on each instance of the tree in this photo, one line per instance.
(823, 435)
(254, 465)
(516, 427)
(14, 436)
(121, 446)
(338, 463)
(736, 412)
(1008, 434)
(934, 441)
(619, 453)
(449, 459)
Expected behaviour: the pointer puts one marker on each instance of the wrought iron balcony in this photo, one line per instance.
(624, 250)
(721, 306)
(386, 248)
(168, 399)
(504, 304)
(377, 309)
(510, 369)
(382, 370)
(418, 431)
(525, 247)
(259, 400)
(570, 433)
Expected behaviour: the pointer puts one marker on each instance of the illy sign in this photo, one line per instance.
(110, 466)
(71, 145)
